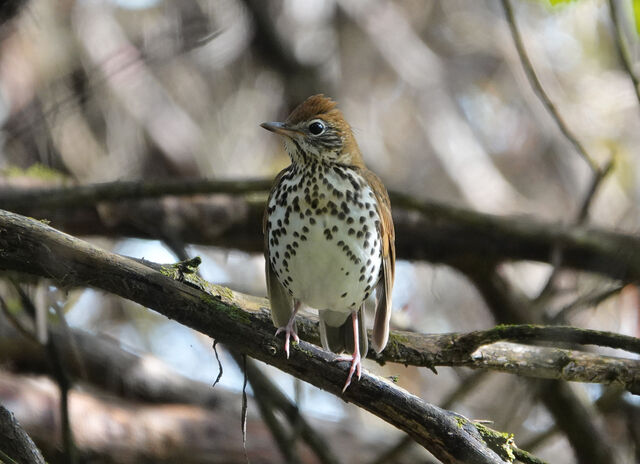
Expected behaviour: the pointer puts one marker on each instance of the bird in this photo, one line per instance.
(329, 239)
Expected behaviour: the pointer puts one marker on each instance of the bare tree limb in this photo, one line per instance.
(92, 194)
(425, 229)
(430, 350)
(15, 445)
(550, 363)
(102, 362)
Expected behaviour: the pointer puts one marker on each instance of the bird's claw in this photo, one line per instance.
(289, 332)
(356, 366)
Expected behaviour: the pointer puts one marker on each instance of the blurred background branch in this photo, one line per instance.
(441, 233)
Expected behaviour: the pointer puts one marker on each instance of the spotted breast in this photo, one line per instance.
(323, 241)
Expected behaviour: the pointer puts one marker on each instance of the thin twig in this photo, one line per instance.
(220, 370)
(596, 182)
(539, 90)
(243, 415)
(267, 411)
(623, 52)
(262, 385)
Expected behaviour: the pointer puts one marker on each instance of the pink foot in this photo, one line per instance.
(356, 366)
(289, 332)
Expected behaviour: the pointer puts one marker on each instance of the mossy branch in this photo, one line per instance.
(239, 321)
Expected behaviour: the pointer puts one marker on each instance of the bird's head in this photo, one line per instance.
(316, 131)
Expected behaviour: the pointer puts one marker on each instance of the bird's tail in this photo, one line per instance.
(337, 336)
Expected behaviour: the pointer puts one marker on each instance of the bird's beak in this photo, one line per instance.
(279, 128)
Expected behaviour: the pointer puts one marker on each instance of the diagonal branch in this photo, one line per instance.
(30, 246)
(15, 444)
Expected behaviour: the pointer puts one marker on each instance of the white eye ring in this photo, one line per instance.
(316, 127)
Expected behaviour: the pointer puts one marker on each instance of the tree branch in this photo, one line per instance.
(30, 246)
(102, 361)
(424, 229)
(91, 194)
(15, 444)
(570, 412)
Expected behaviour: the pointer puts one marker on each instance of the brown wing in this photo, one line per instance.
(385, 285)
(281, 301)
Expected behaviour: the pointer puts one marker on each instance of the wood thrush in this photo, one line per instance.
(329, 238)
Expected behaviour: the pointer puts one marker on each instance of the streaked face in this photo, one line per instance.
(316, 131)
(317, 138)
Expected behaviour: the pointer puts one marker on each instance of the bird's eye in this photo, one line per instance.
(316, 128)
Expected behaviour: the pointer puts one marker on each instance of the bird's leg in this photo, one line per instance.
(290, 329)
(356, 364)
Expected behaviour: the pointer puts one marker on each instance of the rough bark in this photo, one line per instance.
(31, 246)
(15, 444)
